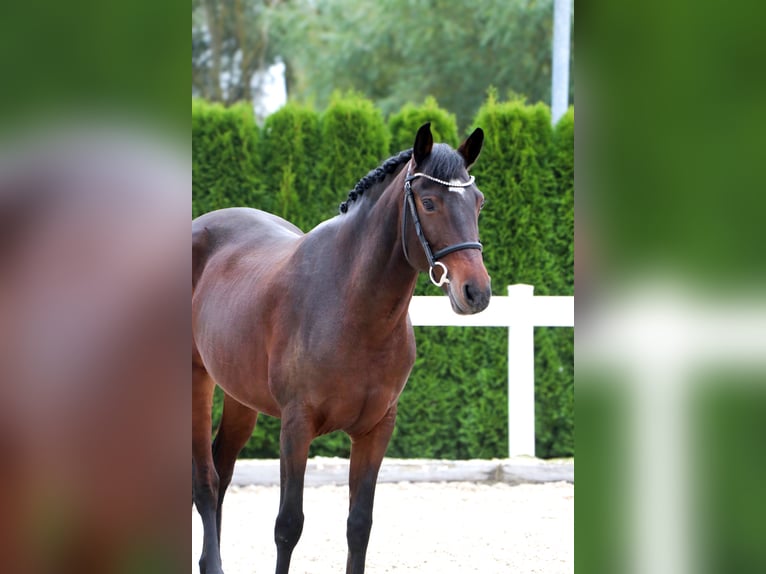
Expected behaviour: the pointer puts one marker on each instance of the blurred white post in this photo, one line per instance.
(521, 372)
(562, 18)
(663, 340)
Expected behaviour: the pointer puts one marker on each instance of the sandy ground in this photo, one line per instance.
(439, 528)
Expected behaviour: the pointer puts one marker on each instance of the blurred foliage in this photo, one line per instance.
(683, 194)
(84, 61)
(729, 422)
(231, 44)
(455, 404)
(393, 51)
(401, 51)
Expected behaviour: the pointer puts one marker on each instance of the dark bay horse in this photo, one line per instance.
(314, 328)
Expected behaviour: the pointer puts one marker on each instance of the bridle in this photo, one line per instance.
(433, 258)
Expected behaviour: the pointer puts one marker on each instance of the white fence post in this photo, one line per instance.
(521, 372)
(520, 312)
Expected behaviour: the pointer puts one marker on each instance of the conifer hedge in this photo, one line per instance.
(404, 124)
(289, 150)
(354, 141)
(225, 163)
(301, 166)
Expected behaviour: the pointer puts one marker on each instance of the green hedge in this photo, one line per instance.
(354, 141)
(456, 400)
(225, 164)
(404, 124)
(522, 235)
(289, 151)
(301, 166)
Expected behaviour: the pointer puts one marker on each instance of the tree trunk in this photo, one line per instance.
(215, 27)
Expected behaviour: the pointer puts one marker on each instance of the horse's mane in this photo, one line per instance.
(376, 176)
(443, 162)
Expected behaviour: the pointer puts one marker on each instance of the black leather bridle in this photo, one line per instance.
(433, 258)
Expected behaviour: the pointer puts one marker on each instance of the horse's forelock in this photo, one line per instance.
(443, 163)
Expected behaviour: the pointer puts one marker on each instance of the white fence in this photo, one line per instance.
(520, 312)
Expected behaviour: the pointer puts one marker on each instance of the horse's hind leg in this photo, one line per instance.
(367, 453)
(205, 482)
(237, 424)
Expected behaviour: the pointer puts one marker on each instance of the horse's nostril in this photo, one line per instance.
(470, 293)
(475, 298)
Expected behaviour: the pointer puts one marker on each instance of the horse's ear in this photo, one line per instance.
(424, 141)
(471, 147)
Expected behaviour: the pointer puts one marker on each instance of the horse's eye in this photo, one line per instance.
(428, 205)
(483, 203)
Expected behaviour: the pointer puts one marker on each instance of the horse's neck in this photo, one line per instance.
(380, 281)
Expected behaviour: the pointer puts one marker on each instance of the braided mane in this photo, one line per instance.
(443, 163)
(376, 176)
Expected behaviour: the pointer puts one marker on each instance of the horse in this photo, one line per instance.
(314, 328)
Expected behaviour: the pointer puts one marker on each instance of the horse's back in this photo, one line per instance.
(239, 229)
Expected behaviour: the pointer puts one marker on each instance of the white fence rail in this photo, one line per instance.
(520, 312)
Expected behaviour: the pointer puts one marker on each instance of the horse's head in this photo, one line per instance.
(440, 219)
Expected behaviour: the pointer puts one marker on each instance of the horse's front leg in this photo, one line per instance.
(294, 440)
(367, 453)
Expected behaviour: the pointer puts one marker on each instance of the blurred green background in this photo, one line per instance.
(671, 286)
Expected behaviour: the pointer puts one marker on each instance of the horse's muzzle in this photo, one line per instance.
(477, 298)
(469, 297)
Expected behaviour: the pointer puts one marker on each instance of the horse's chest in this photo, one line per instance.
(357, 398)
(344, 382)
(355, 364)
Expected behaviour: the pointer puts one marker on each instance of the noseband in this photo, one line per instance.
(433, 258)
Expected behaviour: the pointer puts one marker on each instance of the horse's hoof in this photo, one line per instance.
(214, 570)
